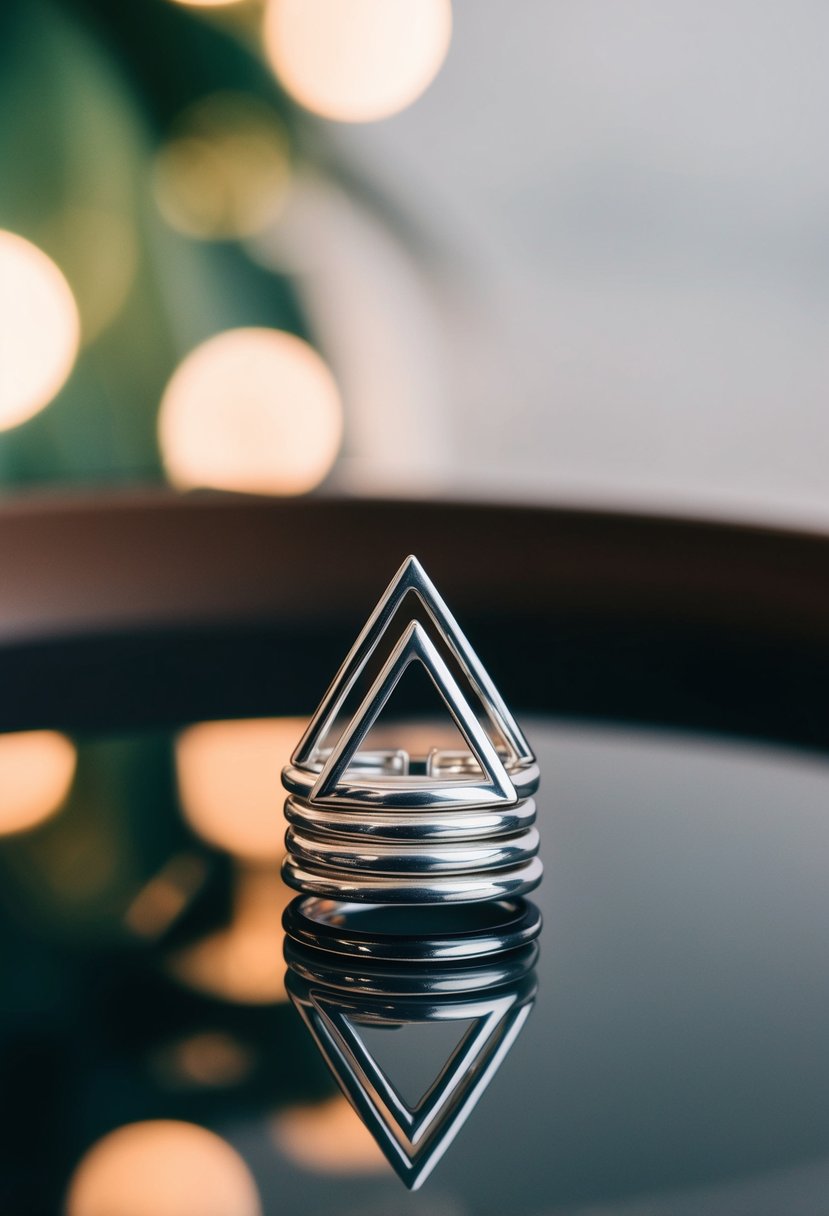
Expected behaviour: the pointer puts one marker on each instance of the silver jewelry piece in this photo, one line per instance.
(426, 826)
(376, 933)
(339, 1003)
(413, 869)
(395, 828)
(449, 888)
(424, 979)
(476, 857)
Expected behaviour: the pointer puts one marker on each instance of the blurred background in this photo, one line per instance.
(555, 253)
(561, 252)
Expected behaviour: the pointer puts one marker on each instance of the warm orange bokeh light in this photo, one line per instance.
(242, 963)
(209, 1059)
(161, 900)
(357, 60)
(36, 771)
(162, 1168)
(328, 1138)
(229, 782)
(39, 329)
(254, 410)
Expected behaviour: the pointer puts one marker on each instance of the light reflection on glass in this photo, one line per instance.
(328, 1138)
(210, 1059)
(357, 60)
(242, 963)
(39, 329)
(162, 1168)
(252, 410)
(165, 896)
(228, 778)
(36, 772)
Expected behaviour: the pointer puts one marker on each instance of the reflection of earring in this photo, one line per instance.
(463, 934)
(345, 985)
(395, 828)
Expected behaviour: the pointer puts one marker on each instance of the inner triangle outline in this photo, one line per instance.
(411, 577)
(421, 1058)
(414, 1139)
(414, 1122)
(415, 644)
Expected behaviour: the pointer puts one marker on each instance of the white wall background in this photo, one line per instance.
(624, 207)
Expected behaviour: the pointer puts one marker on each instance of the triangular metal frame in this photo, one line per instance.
(411, 577)
(415, 644)
(413, 1139)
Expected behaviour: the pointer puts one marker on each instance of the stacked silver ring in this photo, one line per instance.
(410, 854)
(390, 827)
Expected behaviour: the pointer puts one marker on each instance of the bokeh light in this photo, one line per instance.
(253, 410)
(36, 771)
(208, 1059)
(162, 1168)
(228, 779)
(328, 1138)
(242, 963)
(225, 170)
(162, 900)
(357, 60)
(39, 329)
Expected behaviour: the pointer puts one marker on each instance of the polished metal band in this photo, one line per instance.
(374, 932)
(410, 859)
(425, 826)
(380, 789)
(410, 979)
(413, 889)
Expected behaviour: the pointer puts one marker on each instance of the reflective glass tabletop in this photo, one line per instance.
(673, 1059)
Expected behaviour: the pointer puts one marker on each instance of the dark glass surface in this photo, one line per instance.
(672, 677)
(674, 1060)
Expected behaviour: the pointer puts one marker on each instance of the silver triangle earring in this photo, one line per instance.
(339, 1001)
(411, 577)
(389, 827)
